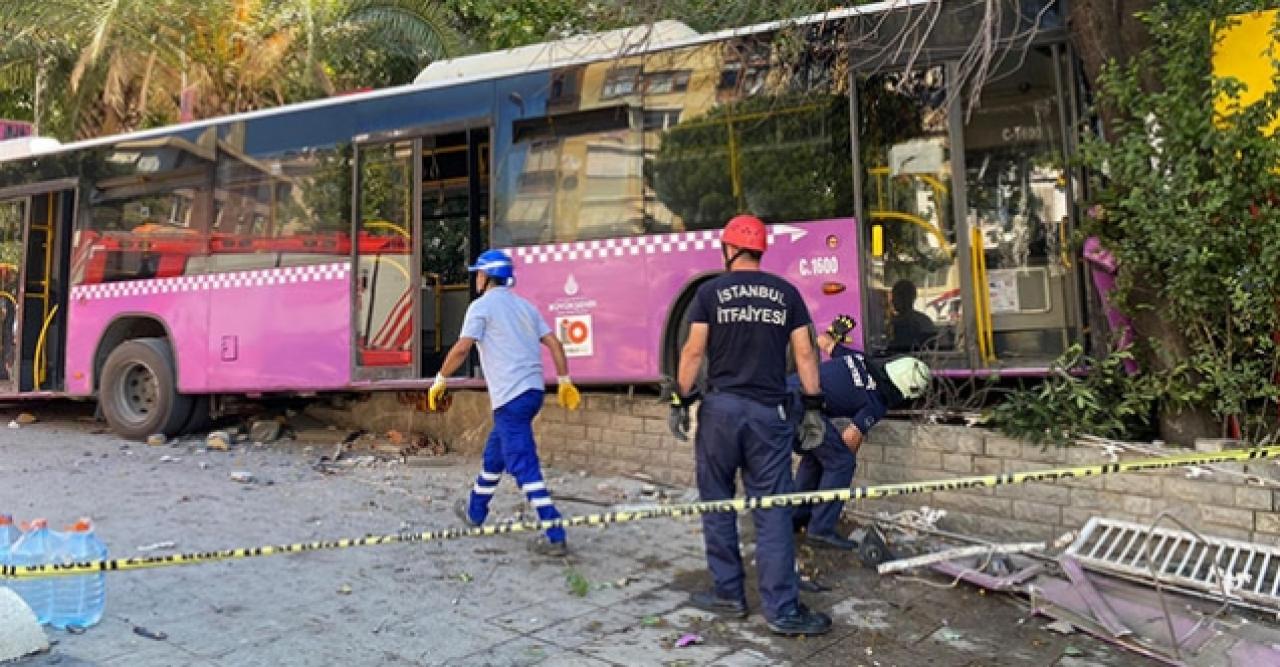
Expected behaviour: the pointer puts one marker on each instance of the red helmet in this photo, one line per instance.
(746, 232)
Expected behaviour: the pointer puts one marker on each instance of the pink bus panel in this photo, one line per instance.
(248, 331)
(610, 300)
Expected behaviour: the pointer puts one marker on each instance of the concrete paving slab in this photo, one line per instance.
(411, 604)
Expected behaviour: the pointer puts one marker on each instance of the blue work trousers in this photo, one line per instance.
(511, 449)
(828, 466)
(737, 434)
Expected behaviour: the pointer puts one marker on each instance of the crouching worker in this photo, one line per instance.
(507, 329)
(859, 391)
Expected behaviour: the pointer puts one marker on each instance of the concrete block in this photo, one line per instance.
(1045, 454)
(650, 408)
(1138, 505)
(965, 501)
(1199, 492)
(1227, 516)
(916, 458)
(626, 423)
(1253, 498)
(1004, 529)
(1081, 455)
(1272, 539)
(1026, 510)
(1267, 522)
(598, 418)
(959, 463)
(986, 465)
(870, 453)
(1000, 446)
(950, 439)
(647, 441)
(893, 432)
(656, 427)
(619, 438)
(1040, 492)
(1229, 532)
(1134, 484)
(1094, 500)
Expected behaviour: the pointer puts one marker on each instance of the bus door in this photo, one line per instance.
(33, 282)
(455, 217)
(385, 292)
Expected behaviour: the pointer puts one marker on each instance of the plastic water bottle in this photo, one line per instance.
(34, 547)
(9, 534)
(78, 601)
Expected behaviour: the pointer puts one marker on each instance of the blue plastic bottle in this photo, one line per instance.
(34, 547)
(78, 601)
(9, 534)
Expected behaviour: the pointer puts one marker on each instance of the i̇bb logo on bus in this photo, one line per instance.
(575, 333)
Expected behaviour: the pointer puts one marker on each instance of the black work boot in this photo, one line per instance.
(709, 601)
(831, 541)
(799, 621)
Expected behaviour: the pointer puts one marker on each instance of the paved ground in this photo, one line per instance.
(466, 602)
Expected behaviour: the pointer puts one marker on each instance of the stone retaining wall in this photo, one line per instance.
(614, 433)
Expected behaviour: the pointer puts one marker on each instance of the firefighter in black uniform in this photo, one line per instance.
(742, 322)
(859, 391)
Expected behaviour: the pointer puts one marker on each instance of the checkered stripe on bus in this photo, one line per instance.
(286, 275)
(663, 244)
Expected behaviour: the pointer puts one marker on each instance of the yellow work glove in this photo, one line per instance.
(567, 394)
(436, 392)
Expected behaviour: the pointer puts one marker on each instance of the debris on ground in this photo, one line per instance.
(242, 477)
(688, 639)
(957, 553)
(158, 546)
(149, 634)
(170, 459)
(1061, 627)
(264, 430)
(344, 589)
(1137, 600)
(156, 440)
(219, 441)
(26, 418)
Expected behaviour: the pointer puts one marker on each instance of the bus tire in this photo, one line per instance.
(200, 420)
(676, 337)
(139, 390)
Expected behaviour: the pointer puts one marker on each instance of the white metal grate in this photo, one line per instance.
(1251, 571)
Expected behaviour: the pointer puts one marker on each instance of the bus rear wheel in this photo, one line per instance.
(139, 390)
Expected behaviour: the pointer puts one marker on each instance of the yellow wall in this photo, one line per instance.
(1245, 51)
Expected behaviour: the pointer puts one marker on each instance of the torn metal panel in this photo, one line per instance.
(968, 570)
(1102, 611)
(1250, 572)
(1199, 638)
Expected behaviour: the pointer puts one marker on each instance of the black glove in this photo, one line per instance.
(840, 328)
(678, 420)
(812, 428)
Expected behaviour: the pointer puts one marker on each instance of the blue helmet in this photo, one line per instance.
(496, 263)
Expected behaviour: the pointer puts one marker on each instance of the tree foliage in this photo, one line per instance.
(101, 66)
(1189, 202)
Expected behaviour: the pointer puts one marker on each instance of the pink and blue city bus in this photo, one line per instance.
(322, 246)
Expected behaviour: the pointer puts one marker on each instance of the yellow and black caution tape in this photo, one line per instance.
(657, 511)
